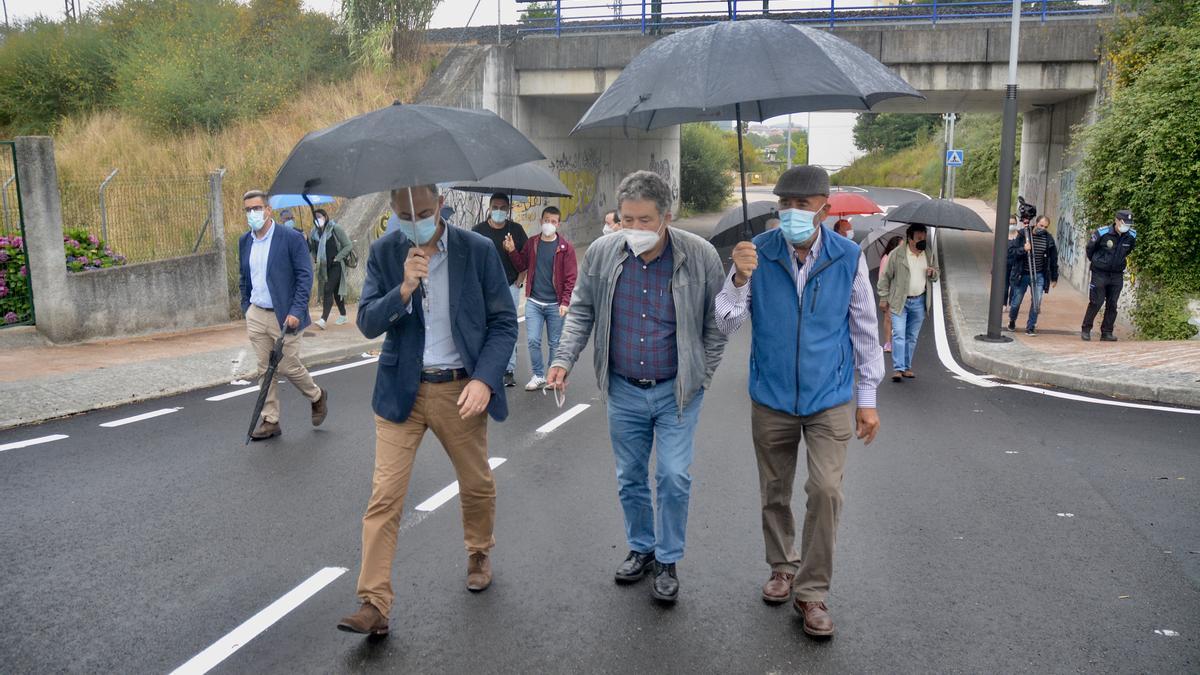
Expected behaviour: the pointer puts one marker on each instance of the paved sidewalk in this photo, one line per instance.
(40, 382)
(1165, 372)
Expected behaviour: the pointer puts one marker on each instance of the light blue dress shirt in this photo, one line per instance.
(260, 251)
(440, 351)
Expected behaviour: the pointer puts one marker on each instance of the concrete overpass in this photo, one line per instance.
(545, 84)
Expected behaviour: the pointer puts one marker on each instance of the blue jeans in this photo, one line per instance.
(516, 296)
(638, 420)
(537, 316)
(1018, 295)
(906, 326)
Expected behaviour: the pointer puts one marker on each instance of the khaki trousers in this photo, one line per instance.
(396, 446)
(263, 328)
(777, 438)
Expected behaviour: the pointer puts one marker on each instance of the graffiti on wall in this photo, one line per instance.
(581, 172)
(1068, 235)
(663, 168)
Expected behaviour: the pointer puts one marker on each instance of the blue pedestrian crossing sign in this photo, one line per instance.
(954, 158)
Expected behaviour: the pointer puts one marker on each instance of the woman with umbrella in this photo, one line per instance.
(330, 246)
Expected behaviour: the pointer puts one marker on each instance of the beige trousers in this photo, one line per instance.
(263, 328)
(396, 446)
(777, 438)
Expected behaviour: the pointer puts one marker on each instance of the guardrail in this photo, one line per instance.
(652, 17)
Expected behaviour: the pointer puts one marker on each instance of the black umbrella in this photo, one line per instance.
(399, 146)
(742, 70)
(938, 213)
(528, 180)
(730, 229)
(264, 387)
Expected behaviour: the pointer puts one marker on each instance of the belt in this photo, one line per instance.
(266, 309)
(433, 376)
(642, 384)
(914, 297)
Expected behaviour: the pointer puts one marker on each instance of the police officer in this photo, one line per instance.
(1108, 249)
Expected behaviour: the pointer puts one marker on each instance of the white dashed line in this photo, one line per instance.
(562, 419)
(139, 418)
(250, 390)
(1166, 632)
(255, 625)
(33, 441)
(451, 491)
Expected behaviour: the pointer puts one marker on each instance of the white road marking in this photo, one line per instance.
(563, 418)
(947, 359)
(451, 491)
(139, 418)
(250, 390)
(255, 625)
(33, 441)
(1012, 452)
(1065, 515)
(1166, 632)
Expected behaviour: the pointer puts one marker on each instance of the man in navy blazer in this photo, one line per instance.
(276, 277)
(441, 296)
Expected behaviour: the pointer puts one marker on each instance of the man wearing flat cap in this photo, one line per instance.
(804, 362)
(1107, 250)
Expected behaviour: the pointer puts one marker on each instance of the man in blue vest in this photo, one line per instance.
(819, 335)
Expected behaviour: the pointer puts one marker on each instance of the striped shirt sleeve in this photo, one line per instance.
(864, 333)
(732, 306)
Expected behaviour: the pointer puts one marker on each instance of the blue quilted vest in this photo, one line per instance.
(801, 357)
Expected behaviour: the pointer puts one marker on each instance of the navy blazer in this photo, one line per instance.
(482, 316)
(289, 274)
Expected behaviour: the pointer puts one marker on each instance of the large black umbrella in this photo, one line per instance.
(938, 213)
(742, 70)
(265, 386)
(730, 229)
(402, 145)
(528, 180)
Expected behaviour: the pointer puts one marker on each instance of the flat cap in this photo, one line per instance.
(802, 181)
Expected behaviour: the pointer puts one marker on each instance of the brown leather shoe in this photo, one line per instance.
(320, 408)
(817, 621)
(778, 588)
(479, 572)
(366, 620)
(266, 430)
(909, 374)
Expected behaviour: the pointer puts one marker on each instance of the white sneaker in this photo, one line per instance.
(535, 383)
(341, 321)
(321, 324)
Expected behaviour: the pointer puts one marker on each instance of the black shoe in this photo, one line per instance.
(666, 585)
(1108, 337)
(1031, 332)
(509, 380)
(1085, 335)
(635, 567)
(1012, 326)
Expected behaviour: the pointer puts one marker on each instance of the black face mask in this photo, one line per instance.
(921, 245)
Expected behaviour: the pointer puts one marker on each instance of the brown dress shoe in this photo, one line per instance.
(320, 408)
(266, 430)
(909, 374)
(778, 588)
(366, 620)
(479, 572)
(817, 621)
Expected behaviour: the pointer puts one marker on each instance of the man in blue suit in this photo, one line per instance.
(440, 295)
(276, 277)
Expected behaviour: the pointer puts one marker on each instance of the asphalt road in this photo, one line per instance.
(986, 530)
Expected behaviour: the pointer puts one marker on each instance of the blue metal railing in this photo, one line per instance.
(655, 16)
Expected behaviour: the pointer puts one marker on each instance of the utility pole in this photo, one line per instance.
(1004, 195)
(499, 33)
(945, 151)
(953, 175)
(69, 10)
(789, 141)
(5, 3)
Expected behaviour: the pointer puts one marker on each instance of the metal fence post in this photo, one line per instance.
(1044, 9)
(216, 207)
(643, 17)
(558, 18)
(935, 12)
(4, 198)
(103, 211)
(832, 18)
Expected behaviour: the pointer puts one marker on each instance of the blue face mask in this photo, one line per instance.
(797, 225)
(256, 220)
(499, 216)
(421, 231)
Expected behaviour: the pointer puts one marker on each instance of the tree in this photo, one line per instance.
(704, 161)
(892, 132)
(404, 20)
(538, 12)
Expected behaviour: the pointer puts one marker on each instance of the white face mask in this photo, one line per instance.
(608, 229)
(849, 233)
(320, 222)
(1122, 227)
(641, 241)
(549, 229)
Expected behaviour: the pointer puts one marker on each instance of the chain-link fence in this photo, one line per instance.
(139, 217)
(10, 213)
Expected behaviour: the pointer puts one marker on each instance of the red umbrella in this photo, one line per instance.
(843, 204)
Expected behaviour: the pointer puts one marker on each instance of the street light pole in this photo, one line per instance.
(789, 141)
(1004, 196)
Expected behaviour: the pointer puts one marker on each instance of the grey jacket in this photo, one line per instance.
(696, 280)
(893, 279)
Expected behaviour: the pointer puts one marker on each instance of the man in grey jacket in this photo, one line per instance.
(647, 296)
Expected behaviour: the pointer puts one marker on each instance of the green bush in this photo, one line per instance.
(704, 161)
(15, 305)
(49, 70)
(1143, 153)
